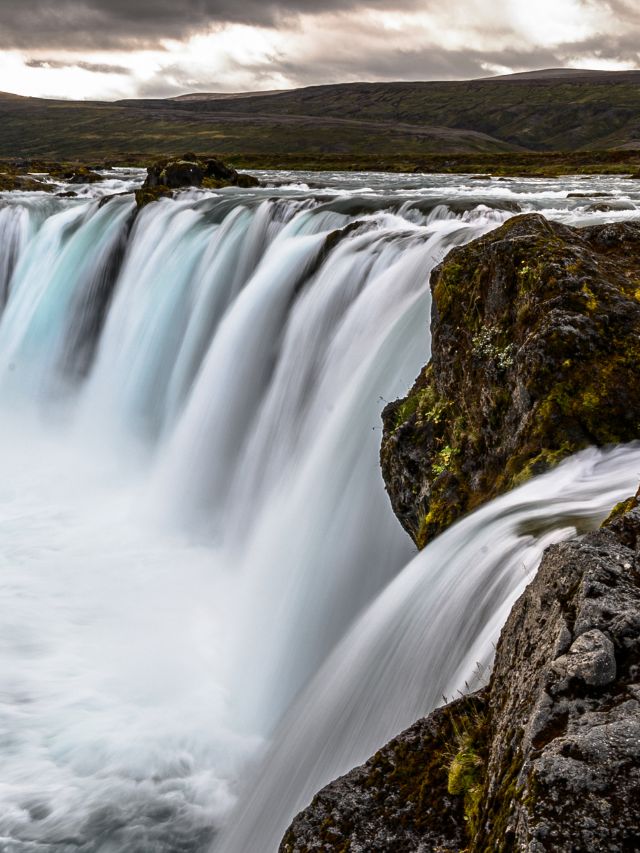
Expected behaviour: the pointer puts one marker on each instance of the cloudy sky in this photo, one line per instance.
(111, 49)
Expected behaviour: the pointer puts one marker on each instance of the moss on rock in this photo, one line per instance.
(536, 338)
(401, 799)
(189, 171)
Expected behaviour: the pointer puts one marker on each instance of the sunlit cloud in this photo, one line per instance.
(114, 49)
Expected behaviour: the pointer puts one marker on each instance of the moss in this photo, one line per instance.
(214, 183)
(493, 830)
(536, 341)
(622, 508)
(467, 760)
(147, 195)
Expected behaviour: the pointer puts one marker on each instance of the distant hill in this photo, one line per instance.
(224, 96)
(543, 111)
(590, 75)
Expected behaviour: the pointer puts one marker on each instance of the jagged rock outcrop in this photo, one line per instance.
(189, 171)
(535, 347)
(398, 801)
(546, 759)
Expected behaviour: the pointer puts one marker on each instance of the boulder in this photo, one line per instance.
(191, 171)
(535, 346)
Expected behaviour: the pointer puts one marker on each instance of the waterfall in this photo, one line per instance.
(203, 581)
(427, 637)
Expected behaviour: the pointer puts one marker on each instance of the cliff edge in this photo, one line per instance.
(546, 758)
(536, 341)
(535, 346)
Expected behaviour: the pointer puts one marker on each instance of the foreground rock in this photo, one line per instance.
(536, 342)
(190, 171)
(547, 758)
(395, 803)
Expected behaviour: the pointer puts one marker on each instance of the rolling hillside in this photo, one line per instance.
(405, 124)
(547, 111)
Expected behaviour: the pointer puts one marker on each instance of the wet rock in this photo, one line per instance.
(190, 171)
(398, 802)
(551, 750)
(609, 206)
(535, 343)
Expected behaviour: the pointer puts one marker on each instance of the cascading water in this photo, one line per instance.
(200, 569)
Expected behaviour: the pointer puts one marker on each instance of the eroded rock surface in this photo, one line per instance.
(547, 760)
(398, 801)
(535, 346)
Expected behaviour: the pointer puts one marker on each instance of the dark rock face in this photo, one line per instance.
(535, 345)
(398, 802)
(189, 171)
(548, 759)
(565, 703)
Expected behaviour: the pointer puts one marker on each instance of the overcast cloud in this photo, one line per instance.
(127, 48)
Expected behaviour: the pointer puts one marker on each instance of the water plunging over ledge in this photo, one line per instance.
(202, 581)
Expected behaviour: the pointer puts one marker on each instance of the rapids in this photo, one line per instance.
(208, 607)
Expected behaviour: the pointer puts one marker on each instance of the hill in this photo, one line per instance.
(593, 110)
(353, 125)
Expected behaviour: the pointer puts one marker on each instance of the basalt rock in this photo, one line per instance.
(190, 171)
(535, 347)
(546, 759)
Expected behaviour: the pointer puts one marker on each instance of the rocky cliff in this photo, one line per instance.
(547, 758)
(535, 340)
(536, 337)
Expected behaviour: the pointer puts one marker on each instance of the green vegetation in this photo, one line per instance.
(466, 771)
(546, 115)
(622, 508)
(536, 341)
(497, 127)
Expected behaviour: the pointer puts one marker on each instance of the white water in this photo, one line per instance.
(194, 527)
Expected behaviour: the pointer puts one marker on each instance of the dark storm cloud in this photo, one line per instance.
(431, 63)
(95, 67)
(106, 24)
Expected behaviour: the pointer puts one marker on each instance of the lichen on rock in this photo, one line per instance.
(535, 345)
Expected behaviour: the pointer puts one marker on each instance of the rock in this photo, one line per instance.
(590, 659)
(28, 176)
(175, 174)
(190, 171)
(13, 182)
(398, 801)
(564, 722)
(148, 194)
(535, 343)
(609, 206)
(82, 175)
(546, 759)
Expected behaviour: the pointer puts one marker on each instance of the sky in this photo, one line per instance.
(110, 49)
